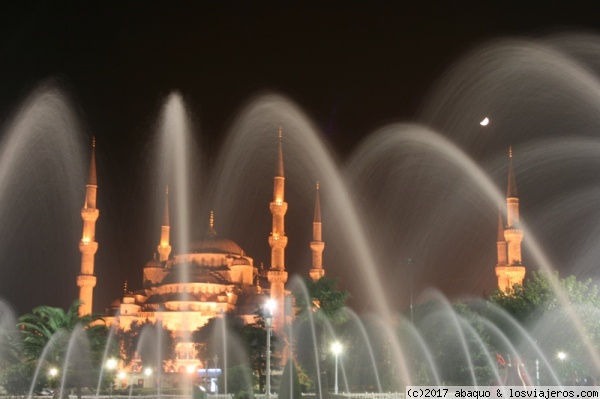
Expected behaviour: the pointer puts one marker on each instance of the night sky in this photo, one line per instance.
(351, 68)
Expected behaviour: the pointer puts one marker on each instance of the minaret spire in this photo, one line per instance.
(511, 191)
(86, 280)
(92, 179)
(317, 245)
(166, 218)
(280, 156)
(277, 275)
(510, 270)
(164, 247)
(211, 224)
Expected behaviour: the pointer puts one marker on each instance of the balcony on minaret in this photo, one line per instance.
(90, 214)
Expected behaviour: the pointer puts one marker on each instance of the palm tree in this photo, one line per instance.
(51, 334)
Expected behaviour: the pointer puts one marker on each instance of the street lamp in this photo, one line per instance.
(269, 309)
(111, 363)
(410, 266)
(216, 359)
(336, 348)
(190, 369)
(53, 372)
(562, 356)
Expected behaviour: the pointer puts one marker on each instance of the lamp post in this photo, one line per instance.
(336, 348)
(216, 359)
(206, 376)
(269, 308)
(562, 356)
(190, 369)
(410, 266)
(53, 373)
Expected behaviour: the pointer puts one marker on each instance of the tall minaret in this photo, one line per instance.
(501, 243)
(86, 281)
(277, 275)
(510, 270)
(164, 249)
(317, 245)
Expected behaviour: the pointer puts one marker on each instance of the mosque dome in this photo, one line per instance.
(211, 242)
(241, 261)
(195, 275)
(215, 244)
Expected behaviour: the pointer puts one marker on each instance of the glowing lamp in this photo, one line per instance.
(270, 306)
(147, 371)
(336, 348)
(111, 364)
(53, 372)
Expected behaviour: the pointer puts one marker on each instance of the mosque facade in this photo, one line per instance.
(215, 276)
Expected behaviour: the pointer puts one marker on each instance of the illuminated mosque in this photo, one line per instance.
(184, 291)
(510, 270)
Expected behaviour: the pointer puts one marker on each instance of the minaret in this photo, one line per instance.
(211, 224)
(164, 249)
(510, 270)
(277, 275)
(501, 242)
(317, 245)
(86, 281)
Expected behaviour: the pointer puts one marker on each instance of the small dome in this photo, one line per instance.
(116, 303)
(241, 261)
(153, 263)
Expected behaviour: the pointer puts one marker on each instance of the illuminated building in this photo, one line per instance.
(510, 270)
(215, 276)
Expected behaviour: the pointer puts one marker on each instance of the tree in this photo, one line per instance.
(289, 387)
(241, 379)
(458, 342)
(152, 343)
(10, 348)
(16, 379)
(322, 305)
(65, 338)
(252, 337)
(208, 338)
(549, 322)
(324, 301)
